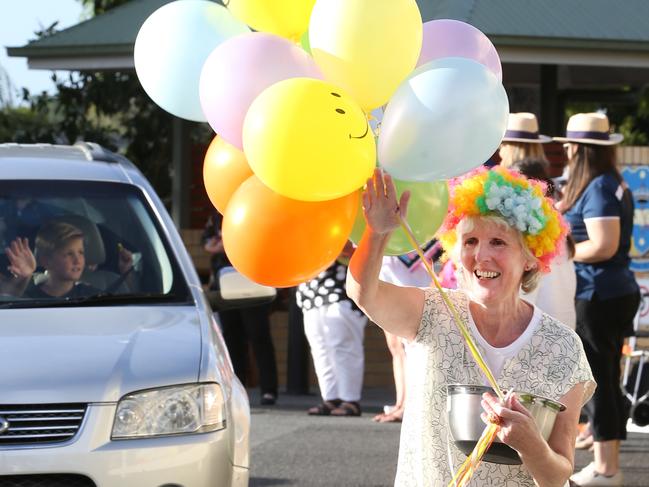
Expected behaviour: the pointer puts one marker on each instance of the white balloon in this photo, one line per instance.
(171, 47)
(448, 117)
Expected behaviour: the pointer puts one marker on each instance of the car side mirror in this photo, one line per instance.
(237, 291)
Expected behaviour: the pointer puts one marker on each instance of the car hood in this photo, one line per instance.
(55, 355)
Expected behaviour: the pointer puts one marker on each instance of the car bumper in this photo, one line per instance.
(200, 460)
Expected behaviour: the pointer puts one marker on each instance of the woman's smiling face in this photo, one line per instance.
(492, 259)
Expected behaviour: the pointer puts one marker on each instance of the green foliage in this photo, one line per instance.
(102, 6)
(630, 118)
(25, 126)
(112, 109)
(109, 108)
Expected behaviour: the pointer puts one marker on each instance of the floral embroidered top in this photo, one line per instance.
(549, 365)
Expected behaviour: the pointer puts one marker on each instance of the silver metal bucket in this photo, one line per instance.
(464, 409)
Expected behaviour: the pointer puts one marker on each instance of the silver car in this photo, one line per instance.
(128, 383)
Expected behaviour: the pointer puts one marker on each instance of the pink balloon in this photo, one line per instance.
(241, 68)
(452, 38)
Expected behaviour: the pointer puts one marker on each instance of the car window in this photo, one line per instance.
(80, 241)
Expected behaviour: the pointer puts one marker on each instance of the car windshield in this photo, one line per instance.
(73, 243)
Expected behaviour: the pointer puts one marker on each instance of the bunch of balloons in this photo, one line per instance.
(291, 105)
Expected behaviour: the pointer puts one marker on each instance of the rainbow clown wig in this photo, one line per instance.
(521, 202)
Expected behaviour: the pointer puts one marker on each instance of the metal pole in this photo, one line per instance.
(181, 173)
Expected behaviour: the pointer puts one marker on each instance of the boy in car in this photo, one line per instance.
(60, 250)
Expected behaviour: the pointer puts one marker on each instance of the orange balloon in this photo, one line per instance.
(281, 242)
(224, 169)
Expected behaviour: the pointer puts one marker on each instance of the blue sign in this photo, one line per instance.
(637, 177)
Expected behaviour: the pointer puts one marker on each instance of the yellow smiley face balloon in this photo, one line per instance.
(306, 139)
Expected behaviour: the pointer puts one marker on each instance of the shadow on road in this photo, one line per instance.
(268, 482)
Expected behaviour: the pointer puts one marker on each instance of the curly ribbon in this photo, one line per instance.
(470, 465)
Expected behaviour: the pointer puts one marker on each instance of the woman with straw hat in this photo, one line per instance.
(599, 208)
(522, 139)
(501, 233)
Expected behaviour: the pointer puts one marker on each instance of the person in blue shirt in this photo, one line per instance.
(599, 208)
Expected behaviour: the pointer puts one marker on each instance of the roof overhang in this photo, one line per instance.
(76, 58)
(77, 63)
(572, 52)
(515, 50)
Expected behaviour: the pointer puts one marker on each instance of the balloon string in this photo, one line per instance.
(458, 321)
(470, 465)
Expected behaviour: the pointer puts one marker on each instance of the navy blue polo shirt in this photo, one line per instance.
(604, 197)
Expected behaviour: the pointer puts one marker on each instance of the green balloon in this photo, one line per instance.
(304, 42)
(426, 212)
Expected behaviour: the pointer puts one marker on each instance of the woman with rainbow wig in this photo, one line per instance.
(501, 233)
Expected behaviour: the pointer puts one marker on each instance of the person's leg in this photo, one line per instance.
(315, 329)
(256, 322)
(298, 357)
(398, 352)
(346, 327)
(235, 340)
(601, 409)
(607, 455)
(601, 326)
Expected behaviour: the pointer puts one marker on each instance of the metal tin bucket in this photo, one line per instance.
(464, 409)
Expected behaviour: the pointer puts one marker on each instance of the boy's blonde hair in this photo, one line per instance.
(55, 235)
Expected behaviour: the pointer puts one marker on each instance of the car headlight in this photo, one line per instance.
(187, 409)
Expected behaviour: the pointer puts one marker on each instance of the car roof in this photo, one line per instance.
(81, 161)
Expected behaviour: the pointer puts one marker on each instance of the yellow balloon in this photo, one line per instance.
(306, 139)
(366, 46)
(286, 18)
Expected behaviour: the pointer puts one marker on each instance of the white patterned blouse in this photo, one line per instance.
(549, 365)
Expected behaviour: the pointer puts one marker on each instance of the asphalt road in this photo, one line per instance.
(290, 448)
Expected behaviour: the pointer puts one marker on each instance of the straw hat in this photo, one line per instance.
(523, 127)
(590, 128)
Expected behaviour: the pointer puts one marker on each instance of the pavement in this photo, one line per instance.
(290, 448)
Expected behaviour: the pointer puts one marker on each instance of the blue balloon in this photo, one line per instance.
(171, 48)
(447, 117)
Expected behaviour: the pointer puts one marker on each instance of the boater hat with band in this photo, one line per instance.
(521, 202)
(523, 127)
(590, 128)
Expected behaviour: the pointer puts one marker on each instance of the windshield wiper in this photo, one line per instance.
(100, 299)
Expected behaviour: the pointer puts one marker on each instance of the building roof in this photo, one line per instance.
(568, 32)
(575, 20)
(582, 32)
(102, 42)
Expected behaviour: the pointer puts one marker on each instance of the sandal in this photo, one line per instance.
(347, 408)
(325, 408)
(268, 399)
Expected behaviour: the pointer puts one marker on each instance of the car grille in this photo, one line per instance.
(47, 480)
(40, 423)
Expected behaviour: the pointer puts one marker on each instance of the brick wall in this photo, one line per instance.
(378, 362)
(192, 239)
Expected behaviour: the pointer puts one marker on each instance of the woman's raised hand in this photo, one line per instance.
(380, 204)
